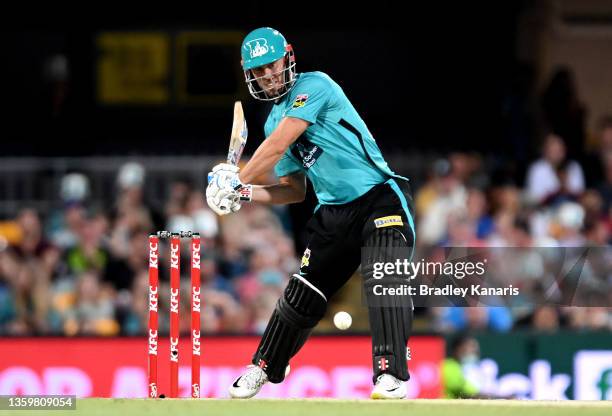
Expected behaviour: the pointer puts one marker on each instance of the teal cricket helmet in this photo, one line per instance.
(261, 47)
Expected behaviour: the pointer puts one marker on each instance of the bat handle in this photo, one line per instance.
(225, 205)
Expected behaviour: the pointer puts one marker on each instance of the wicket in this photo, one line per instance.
(175, 280)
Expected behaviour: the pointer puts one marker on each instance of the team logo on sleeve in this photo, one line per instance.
(389, 221)
(300, 101)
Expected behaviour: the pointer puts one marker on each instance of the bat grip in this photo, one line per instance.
(225, 205)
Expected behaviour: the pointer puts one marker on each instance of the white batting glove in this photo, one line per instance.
(225, 167)
(225, 191)
(245, 194)
(220, 199)
(222, 203)
(225, 174)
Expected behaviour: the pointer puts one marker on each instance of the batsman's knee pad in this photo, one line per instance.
(298, 311)
(388, 300)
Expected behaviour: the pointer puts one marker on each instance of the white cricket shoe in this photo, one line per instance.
(249, 383)
(389, 387)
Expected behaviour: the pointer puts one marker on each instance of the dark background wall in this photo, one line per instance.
(433, 77)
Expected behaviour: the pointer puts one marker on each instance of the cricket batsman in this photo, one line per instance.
(313, 131)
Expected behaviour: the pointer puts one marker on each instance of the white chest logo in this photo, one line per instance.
(258, 47)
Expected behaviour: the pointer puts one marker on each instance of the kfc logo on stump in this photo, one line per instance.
(195, 257)
(174, 349)
(174, 257)
(196, 341)
(196, 391)
(195, 299)
(153, 258)
(152, 342)
(174, 303)
(153, 298)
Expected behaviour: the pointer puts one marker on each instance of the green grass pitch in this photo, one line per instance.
(323, 407)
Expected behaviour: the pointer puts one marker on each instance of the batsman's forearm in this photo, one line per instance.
(263, 161)
(273, 148)
(279, 193)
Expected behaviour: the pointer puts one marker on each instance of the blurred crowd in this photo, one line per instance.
(81, 269)
(460, 206)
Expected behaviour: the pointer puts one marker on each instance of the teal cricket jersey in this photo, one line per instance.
(337, 152)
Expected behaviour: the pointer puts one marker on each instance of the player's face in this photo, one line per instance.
(270, 77)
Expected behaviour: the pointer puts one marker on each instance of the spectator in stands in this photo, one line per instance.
(545, 319)
(133, 308)
(263, 271)
(566, 227)
(441, 196)
(262, 307)
(589, 318)
(123, 266)
(597, 233)
(93, 312)
(89, 252)
(64, 223)
(180, 190)
(473, 318)
(211, 279)
(229, 315)
(553, 173)
(477, 211)
(131, 214)
(594, 161)
(462, 231)
(204, 220)
(8, 267)
(130, 180)
(605, 186)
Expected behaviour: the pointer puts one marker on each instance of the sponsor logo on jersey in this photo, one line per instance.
(308, 152)
(300, 100)
(389, 221)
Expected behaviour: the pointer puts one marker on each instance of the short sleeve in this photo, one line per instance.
(286, 166)
(310, 100)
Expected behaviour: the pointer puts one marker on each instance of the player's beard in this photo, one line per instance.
(273, 88)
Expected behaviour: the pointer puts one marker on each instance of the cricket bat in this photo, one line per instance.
(238, 139)
(239, 135)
